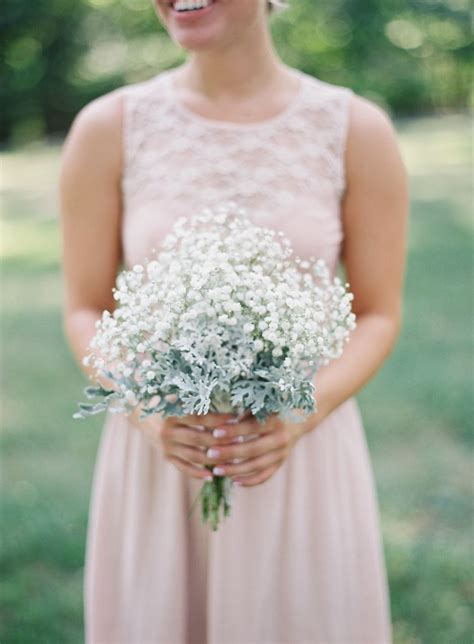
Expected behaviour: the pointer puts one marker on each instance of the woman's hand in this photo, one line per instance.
(184, 439)
(269, 445)
(198, 445)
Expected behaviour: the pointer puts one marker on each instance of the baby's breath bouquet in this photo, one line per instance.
(221, 319)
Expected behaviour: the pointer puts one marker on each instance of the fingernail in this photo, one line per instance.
(219, 432)
(231, 421)
(218, 471)
(201, 428)
(238, 439)
(208, 478)
(212, 453)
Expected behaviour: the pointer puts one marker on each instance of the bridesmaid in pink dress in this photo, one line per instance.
(300, 560)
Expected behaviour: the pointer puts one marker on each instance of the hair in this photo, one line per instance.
(276, 5)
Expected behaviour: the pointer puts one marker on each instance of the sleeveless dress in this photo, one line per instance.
(300, 560)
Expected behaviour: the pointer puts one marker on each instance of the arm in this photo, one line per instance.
(375, 212)
(91, 209)
(90, 205)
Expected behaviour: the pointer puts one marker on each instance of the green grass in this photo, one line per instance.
(417, 410)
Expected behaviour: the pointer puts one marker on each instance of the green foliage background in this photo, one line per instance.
(417, 411)
(408, 55)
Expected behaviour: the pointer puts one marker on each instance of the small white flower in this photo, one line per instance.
(208, 310)
(130, 397)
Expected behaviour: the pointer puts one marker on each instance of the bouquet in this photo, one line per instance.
(221, 319)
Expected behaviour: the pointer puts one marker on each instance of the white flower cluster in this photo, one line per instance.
(222, 307)
(223, 318)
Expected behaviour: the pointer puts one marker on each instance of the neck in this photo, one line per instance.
(237, 69)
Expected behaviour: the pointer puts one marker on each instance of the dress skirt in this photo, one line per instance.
(300, 560)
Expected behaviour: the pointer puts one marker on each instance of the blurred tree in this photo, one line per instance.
(408, 55)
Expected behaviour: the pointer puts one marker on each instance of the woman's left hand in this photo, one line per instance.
(262, 455)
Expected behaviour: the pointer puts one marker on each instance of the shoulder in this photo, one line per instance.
(94, 137)
(100, 121)
(363, 116)
(323, 93)
(367, 138)
(96, 133)
(368, 123)
(372, 148)
(101, 117)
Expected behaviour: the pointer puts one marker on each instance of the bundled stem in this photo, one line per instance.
(216, 494)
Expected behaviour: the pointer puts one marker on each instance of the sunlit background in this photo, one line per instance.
(410, 55)
(413, 57)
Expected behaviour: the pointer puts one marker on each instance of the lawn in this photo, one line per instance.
(417, 411)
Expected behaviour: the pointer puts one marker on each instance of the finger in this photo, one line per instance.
(230, 431)
(249, 466)
(208, 420)
(256, 479)
(188, 436)
(249, 449)
(188, 468)
(194, 455)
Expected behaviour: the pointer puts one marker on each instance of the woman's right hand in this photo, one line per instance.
(184, 439)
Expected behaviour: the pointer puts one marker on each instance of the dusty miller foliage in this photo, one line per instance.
(223, 318)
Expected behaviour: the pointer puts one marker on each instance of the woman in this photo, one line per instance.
(300, 559)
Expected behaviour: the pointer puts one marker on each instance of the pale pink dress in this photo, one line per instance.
(300, 559)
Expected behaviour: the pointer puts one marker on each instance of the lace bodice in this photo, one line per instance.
(286, 171)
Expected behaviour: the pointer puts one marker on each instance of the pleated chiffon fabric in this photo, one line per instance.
(300, 560)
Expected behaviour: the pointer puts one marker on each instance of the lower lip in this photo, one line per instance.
(189, 16)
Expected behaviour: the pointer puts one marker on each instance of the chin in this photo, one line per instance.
(200, 40)
(199, 25)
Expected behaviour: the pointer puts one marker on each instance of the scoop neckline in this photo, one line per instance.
(224, 124)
